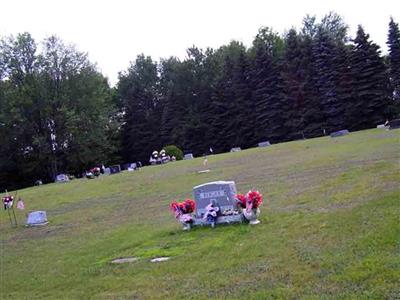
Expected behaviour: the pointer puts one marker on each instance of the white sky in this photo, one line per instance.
(115, 32)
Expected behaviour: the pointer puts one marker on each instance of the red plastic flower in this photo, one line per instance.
(241, 200)
(255, 198)
(185, 207)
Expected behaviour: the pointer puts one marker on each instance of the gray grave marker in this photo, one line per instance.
(223, 192)
(236, 149)
(264, 144)
(339, 133)
(188, 156)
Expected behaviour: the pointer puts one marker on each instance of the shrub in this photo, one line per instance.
(173, 150)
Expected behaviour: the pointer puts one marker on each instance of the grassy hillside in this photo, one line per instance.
(330, 231)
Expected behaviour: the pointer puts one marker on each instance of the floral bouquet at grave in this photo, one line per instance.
(183, 211)
(250, 205)
(95, 171)
(8, 201)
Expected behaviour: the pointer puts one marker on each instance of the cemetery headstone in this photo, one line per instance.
(264, 144)
(107, 171)
(394, 124)
(339, 133)
(37, 218)
(236, 149)
(62, 178)
(188, 156)
(223, 192)
(115, 169)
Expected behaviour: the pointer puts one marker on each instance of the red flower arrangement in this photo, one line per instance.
(186, 207)
(254, 198)
(241, 200)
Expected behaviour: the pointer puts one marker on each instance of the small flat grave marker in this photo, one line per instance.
(124, 260)
(160, 259)
(37, 218)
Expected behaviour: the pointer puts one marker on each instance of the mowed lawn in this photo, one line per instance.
(330, 229)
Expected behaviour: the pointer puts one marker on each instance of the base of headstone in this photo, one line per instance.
(203, 171)
(236, 149)
(339, 133)
(220, 220)
(381, 126)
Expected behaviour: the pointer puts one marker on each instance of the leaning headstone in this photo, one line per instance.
(264, 144)
(394, 124)
(222, 193)
(188, 156)
(236, 149)
(339, 133)
(37, 218)
(62, 178)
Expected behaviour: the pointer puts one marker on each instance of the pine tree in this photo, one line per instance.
(272, 111)
(394, 63)
(370, 84)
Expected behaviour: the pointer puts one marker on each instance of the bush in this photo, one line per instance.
(173, 150)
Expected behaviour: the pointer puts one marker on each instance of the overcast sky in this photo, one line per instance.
(114, 32)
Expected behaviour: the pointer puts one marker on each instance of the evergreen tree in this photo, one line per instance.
(370, 84)
(138, 95)
(271, 105)
(394, 63)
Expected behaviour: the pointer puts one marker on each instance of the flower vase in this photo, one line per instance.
(251, 215)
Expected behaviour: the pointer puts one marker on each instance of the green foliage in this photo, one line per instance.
(394, 64)
(55, 107)
(173, 150)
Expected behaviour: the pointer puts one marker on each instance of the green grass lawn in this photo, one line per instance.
(331, 229)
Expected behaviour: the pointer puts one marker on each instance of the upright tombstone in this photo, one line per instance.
(115, 169)
(107, 171)
(394, 124)
(339, 133)
(188, 156)
(264, 144)
(236, 149)
(62, 178)
(222, 193)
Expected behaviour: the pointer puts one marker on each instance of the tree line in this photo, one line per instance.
(59, 114)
